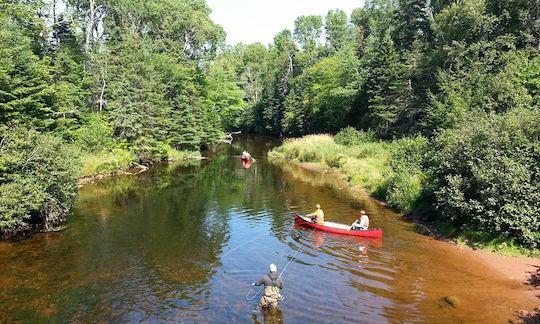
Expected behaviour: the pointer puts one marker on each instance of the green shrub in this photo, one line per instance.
(406, 183)
(150, 151)
(404, 190)
(487, 173)
(96, 135)
(349, 137)
(38, 177)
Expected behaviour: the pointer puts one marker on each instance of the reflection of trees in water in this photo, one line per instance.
(175, 221)
(164, 234)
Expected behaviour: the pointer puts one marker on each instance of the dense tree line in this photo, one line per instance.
(395, 67)
(463, 74)
(107, 82)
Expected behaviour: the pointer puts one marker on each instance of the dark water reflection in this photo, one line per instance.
(182, 244)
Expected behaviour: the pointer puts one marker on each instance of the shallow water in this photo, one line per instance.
(182, 243)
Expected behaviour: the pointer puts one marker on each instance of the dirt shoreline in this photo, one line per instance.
(522, 270)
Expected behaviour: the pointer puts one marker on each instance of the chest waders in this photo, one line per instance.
(271, 296)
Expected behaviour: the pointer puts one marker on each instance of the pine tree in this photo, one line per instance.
(136, 94)
(388, 89)
(413, 23)
(25, 92)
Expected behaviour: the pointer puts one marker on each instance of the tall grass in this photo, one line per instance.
(364, 164)
(106, 161)
(103, 162)
(176, 155)
(386, 170)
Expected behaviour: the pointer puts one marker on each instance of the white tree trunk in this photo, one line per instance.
(90, 25)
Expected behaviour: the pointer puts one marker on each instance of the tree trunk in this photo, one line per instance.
(90, 25)
(103, 85)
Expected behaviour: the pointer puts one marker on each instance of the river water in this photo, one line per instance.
(182, 244)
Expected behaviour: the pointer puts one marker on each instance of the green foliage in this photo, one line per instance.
(95, 135)
(464, 21)
(150, 151)
(349, 136)
(38, 174)
(25, 93)
(486, 173)
(339, 33)
(224, 96)
(484, 80)
(407, 181)
(412, 22)
(322, 96)
(387, 87)
(102, 162)
(136, 96)
(307, 30)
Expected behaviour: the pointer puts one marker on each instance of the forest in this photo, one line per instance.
(435, 103)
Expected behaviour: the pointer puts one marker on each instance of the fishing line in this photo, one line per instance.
(255, 295)
(248, 298)
(295, 253)
(232, 250)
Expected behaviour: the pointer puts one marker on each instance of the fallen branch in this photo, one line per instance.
(228, 138)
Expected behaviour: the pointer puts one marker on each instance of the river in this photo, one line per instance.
(182, 243)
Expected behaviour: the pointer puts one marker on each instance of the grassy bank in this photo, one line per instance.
(373, 165)
(393, 171)
(117, 160)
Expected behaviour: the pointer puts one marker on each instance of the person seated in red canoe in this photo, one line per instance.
(362, 223)
(317, 215)
(247, 157)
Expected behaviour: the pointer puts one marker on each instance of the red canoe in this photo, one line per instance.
(338, 228)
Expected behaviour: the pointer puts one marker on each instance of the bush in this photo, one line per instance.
(150, 151)
(487, 173)
(96, 135)
(38, 179)
(407, 180)
(349, 137)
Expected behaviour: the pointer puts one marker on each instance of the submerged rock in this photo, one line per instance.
(450, 300)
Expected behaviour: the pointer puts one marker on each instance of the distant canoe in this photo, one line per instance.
(338, 228)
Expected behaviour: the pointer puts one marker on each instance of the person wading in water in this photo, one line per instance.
(272, 289)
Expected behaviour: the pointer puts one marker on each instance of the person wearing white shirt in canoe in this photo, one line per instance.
(362, 223)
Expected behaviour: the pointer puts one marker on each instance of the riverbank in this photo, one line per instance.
(121, 162)
(57, 170)
(393, 173)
